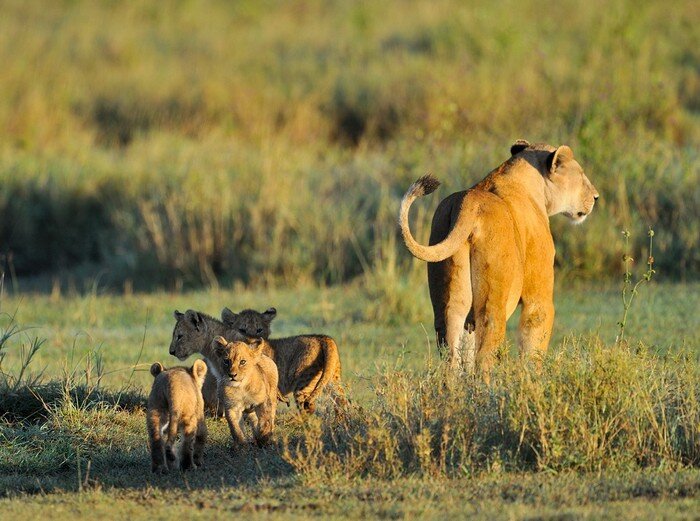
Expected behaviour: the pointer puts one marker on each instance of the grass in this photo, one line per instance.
(617, 422)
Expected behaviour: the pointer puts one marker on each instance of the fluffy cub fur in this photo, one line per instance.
(247, 385)
(176, 405)
(193, 333)
(306, 363)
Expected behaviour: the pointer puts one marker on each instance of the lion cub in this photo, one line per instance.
(248, 385)
(175, 404)
(306, 363)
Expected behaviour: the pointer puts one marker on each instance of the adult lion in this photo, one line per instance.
(491, 248)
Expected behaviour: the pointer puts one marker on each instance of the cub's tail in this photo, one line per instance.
(330, 367)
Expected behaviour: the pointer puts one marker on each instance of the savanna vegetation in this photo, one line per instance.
(253, 154)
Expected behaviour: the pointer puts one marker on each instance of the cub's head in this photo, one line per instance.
(189, 335)
(237, 359)
(249, 322)
(571, 192)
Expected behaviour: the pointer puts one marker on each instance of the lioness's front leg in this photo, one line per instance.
(535, 329)
(233, 417)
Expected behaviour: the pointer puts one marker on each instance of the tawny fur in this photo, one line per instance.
(306, 363)
(193, 333)
(175, 405)
(247, 386)
(491, 248)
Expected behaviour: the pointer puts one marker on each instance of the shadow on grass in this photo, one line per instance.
(104, 445)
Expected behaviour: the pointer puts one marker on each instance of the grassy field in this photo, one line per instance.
(176, 154)
(88, 456)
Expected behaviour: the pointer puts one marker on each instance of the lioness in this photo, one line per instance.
(306, 363)
(175, 404)
(193, 333)
(248, 384)
(491, 248)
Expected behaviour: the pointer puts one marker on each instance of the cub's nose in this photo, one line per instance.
(596, 196)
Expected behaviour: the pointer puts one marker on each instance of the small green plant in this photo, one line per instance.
(630, 289)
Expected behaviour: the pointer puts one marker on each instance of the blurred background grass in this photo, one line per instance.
(179, 143)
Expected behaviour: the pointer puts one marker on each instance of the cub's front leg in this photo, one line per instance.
(266, 422)
(233, 417)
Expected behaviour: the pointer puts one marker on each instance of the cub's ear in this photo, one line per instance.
(199, 369)
(156, 369)
(519, 146)
(269, 314)
(559, 157)
(194, 318)
(219, 345)
(228, 316)
(178, 315)
(255, 344)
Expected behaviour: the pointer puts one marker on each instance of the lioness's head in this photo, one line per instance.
(237, 359)
(189, 334)
(249, 322)
(569, 190)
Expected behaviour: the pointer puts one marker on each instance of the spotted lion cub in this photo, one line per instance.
(306, 363)
(248, 385)
(175, 404)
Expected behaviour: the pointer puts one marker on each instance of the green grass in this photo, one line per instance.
(44, 463)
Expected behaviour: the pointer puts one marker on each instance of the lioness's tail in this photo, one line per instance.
(438, 252)
(331, 365)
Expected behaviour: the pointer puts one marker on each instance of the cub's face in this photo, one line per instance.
(249, 322)
(189, 334)
(236, 359)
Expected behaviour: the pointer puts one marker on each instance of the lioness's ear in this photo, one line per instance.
(519, 146)
(269, 314)
(228, 316)
(194, 318)
(178, 315)
(156, 369)
(559, 157)
(199, 369)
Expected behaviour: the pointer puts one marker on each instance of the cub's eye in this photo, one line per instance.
(259, 331)
(242, 362)
(227, 363)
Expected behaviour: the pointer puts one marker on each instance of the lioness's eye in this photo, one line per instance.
(179, 336)
(242, 330)
(227, 363)
(242, 362)
(259, 330)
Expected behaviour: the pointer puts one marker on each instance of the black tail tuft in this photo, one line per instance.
(426, 185)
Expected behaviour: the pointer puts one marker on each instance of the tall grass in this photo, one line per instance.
(200, 142)
(591, 407)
